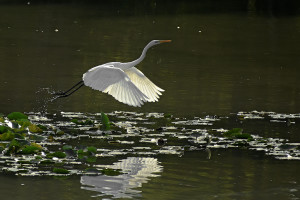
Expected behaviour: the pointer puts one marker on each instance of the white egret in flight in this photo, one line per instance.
(123, 81)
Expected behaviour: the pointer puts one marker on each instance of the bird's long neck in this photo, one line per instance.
(137, 61)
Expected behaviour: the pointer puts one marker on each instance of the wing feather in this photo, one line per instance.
(116, 82)
(144, 84)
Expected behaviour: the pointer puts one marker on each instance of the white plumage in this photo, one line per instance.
(123, 81)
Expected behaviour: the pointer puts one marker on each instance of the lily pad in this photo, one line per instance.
(14, 146)
(35, 129)
(16, 116)
(60, 171)
(237, 133)
(30, 149)
(23, 122)
(4, 129)
(8, 136)
(111, 172)
(57, 154)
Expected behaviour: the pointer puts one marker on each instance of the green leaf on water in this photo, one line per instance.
(237, 133)
(60, 171)
(82, 122)
(92, 149)
(23, 122)
(37, 137)
(16, 116)
(30, 150)
(67, 147)
(57, 154)
(111, 172)
(105, 122)
(8, 136)
(4, 129)
(91, 159)
(34, 129)
(13, 146)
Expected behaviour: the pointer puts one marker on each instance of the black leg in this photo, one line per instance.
(64, 93)
(68, 94)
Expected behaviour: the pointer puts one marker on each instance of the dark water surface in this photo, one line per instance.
(238, 61)
(231, 174)
(218, 63)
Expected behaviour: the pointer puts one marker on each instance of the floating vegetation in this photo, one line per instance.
(237, 133)
(16, 116)
(105, 122)
(60, 171)
(111, 172)
(68, 143)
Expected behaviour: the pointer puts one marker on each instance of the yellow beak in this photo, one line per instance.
(163, 41)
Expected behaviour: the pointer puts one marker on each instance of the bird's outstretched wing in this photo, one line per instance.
(144, 84)
(115, 82)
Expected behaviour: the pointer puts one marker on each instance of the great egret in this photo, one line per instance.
(123, 81)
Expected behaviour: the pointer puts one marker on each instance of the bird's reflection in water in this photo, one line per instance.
(137, 170)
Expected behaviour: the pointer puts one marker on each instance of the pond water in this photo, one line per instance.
(222, 60)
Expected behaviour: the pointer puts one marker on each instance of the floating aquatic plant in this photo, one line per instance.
(31, 149)
(57, 154)
(39, 144)
(4, 129)
(23, 122)
(82, 122)
(67, 147)
(7, 136)
(14, 147)
(60, 171)
(92, 149)
(34, 129)
(237, 133)
(87, 154)
(105, 122)
(111, 172)
(16, 116)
